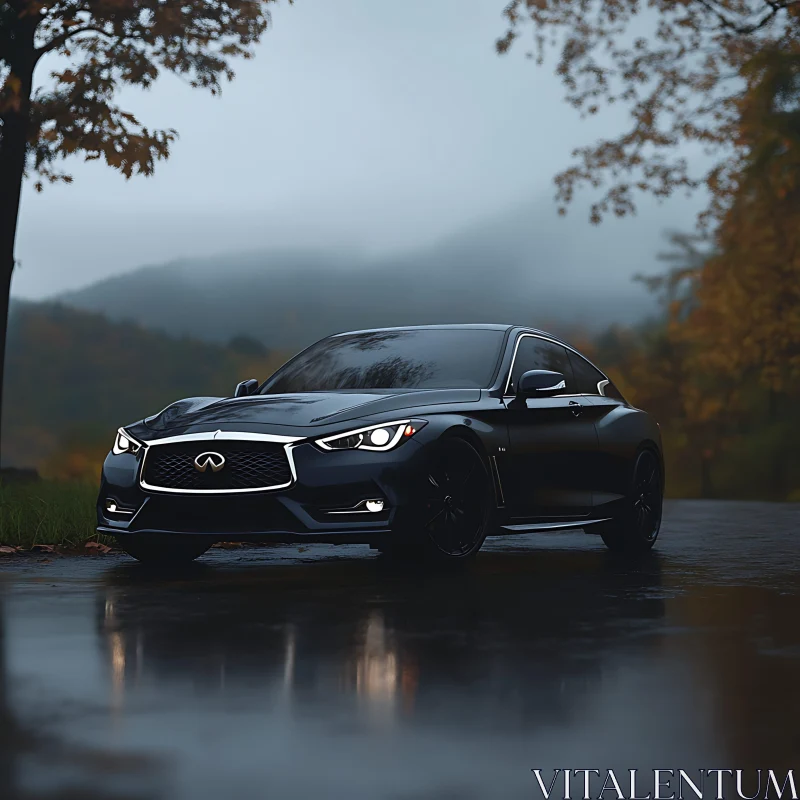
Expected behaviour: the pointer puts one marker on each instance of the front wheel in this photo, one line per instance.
(153, 548)
(451, 519)
(636, 529)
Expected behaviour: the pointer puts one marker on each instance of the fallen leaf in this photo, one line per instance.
(43, 548)
(97, 547)
(301, 549)
(9, 550)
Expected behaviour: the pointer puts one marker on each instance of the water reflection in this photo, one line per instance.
(374, 670)
(7, 723)
(37, 764)
(386, 642)
(743, 645)
(327, 673)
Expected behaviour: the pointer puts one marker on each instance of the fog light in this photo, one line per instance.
(113, 508)
(374, 505)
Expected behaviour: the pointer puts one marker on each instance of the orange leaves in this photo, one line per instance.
(10, 93)
(66, 76)
(12, 84)
(678, 82)
(748, 296)
(113, 43)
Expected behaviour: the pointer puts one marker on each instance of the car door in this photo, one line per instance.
(609, 468)
(551, 440)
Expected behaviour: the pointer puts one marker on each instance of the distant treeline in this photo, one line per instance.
(74, 377)
(721, 440)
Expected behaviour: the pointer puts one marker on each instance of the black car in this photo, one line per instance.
(417, 441)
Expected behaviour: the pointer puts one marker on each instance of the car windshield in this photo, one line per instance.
(432, 358)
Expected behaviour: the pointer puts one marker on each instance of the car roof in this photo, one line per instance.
(484, 326)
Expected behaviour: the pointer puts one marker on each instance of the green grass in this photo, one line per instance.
(47, 512)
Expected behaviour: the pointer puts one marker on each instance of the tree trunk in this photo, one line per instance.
(5, 289)
(21, 59)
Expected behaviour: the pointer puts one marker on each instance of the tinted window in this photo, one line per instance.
(534, 353)
(404, 359)
(586, 376)
(609, 390)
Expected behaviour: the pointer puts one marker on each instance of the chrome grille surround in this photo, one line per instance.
(288, 442)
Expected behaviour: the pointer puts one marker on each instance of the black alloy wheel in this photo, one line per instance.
(637, 529)
(647, 497)
(455, 514)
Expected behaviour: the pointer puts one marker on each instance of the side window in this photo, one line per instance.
(586, 376)
(534, 353)
(609, 390)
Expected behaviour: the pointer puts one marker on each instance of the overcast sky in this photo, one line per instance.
(377, 126)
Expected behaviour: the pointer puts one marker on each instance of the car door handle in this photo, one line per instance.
(575, 408)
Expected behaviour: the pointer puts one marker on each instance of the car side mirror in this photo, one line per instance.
(246, 388)
(540, 383)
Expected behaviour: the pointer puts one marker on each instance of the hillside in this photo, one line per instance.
(519, 268)
(74, 377)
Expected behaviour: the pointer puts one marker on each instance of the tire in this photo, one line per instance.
(451, 520)
(635, 531)
(153, 548)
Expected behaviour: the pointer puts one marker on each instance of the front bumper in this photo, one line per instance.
(325, 485)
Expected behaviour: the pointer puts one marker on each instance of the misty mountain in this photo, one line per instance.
(520, 267)
(72, 378)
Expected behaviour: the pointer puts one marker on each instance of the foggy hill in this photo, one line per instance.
(72, 378)
(520, 267)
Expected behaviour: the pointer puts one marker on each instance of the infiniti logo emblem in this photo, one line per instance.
(205, 460)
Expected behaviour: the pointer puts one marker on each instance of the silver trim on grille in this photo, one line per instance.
(217, 435)
(289, 443)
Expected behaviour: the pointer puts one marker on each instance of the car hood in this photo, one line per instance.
(312, 409)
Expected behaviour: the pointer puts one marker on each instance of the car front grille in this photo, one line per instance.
(247, 465)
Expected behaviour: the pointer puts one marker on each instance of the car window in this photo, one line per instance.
(586, 376)
(609, 390)
(535, 353)
(421, 358)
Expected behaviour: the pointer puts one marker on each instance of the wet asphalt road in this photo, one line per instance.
(326, 673)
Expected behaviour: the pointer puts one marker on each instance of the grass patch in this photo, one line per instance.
(48, 512)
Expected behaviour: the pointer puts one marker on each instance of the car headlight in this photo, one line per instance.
(124, 444)
(375, 437)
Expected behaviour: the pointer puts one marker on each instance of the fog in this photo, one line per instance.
(379, 130)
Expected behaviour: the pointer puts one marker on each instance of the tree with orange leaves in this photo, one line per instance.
(679, 68)
(747, 317)
(724, 76)
(107, 44)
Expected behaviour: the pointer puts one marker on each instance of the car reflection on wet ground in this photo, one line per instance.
(326, 672)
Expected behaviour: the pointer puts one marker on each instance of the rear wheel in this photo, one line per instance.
(451, 519)
(153, 548)
(637, 528)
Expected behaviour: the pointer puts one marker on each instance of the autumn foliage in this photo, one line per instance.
(682, 70)
(94, 49)
(108, 44)
(712, 91)
(74, 378)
